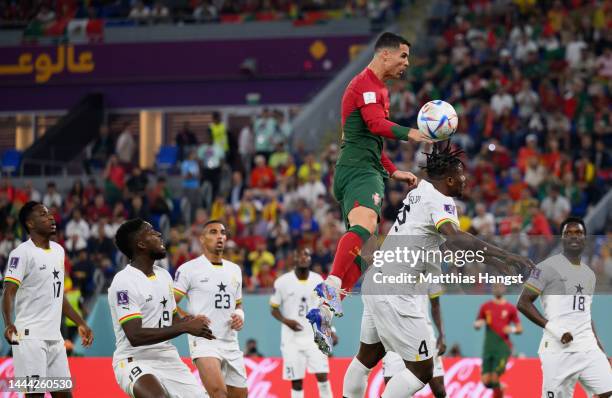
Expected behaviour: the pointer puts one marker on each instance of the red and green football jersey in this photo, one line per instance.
(497, 317)
(365, 112)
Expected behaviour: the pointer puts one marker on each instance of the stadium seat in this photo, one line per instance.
(11, 159)
(166, 157)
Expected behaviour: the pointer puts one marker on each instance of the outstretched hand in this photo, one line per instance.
(407, 177)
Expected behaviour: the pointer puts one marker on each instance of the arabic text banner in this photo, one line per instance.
(94, 376)
(197, 73)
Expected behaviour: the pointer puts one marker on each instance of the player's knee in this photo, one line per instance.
(296, 385)
(605, 395)
(321, 377)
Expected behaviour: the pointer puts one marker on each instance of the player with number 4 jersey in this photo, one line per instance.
(395, 321)
(213, 287)
(570, 350)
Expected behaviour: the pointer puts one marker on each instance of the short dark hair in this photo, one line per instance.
(213, 222)
(25, 212)
(572, 220)
(390, 40)
(441, 160)
(124, 239)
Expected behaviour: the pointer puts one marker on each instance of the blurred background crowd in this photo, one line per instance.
(532, 90)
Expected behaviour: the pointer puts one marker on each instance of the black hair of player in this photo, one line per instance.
(573, 220)
(25, 212)
(213, 222)
(442, 161)
(124, 239)
(390, 40)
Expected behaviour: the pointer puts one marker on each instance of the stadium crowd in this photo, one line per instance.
(533, 92)
(48, 14)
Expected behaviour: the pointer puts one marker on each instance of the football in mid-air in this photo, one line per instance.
(437, 120)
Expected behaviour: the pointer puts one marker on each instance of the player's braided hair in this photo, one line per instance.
(441, 160)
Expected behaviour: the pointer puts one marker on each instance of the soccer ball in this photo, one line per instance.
(437, 120)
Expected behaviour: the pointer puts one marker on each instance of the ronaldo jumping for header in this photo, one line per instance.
(361, 171)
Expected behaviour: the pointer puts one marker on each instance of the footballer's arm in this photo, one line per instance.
(139, 336)
(291, 323)
(237, 318)
(8, 301)
(526, 307)
(467, 241)
(84, 331)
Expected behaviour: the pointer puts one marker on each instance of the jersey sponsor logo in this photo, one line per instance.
(122, 297)
(369, 97)
(450, 209)
(14, 263)
(535, 273)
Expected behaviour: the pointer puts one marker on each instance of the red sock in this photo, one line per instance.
(498, 392)
(349, 247)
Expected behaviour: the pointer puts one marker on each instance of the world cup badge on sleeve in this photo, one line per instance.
(13, 263)
(122, 297)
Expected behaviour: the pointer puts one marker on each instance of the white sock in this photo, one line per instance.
(297, 394)
(355, 380)
(325, 389)
(334, 281)
(403, 384)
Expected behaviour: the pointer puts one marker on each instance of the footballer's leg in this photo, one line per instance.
(234, 373)
(597, 375)
(57, 365)
(371, 350)
(437, 381)
(356, 376)
(324, 385)
(30, 361)
(149, 386)
(294, 368)
(318, 364)
(209, 369)
(437, 387)
(137, 379)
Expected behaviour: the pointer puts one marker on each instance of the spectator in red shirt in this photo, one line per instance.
(517, 186)
(528, 151)
(98, 209)
(262, 176)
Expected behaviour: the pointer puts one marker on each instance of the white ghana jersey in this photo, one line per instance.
(424, 210)
(294, 297)
(566, 291)
(213, 291)
(39, 273)
(134, 295)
